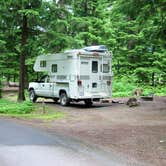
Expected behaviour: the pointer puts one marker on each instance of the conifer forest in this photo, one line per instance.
(133, 30)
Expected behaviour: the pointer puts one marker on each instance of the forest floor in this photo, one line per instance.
(137, 133)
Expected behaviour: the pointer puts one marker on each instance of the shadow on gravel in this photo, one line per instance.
(80, 105)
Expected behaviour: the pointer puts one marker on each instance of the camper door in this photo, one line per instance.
(89, 74)
(95, 70)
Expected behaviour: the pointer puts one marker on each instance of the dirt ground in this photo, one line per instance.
(138, 132)
(135, 132)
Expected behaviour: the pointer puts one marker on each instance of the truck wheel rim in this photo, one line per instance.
(64, 100)
(31, 96)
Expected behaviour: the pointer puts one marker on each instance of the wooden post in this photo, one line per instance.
(43, 106)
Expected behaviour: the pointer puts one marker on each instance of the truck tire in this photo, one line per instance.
(55, 100)
(88, 102)
(64, 100)
(32, 95)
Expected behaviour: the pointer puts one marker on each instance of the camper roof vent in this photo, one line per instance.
(100, 48)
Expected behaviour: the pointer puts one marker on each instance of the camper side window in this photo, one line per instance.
(42, 63)
(106, 68)
(94, 66)
(54, 68)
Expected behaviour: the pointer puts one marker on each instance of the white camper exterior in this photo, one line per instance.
(74, 75)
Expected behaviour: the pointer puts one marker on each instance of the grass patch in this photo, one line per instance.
(27, 110)
(9, 107)
(46, 117)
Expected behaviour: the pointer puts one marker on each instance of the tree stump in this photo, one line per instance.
(133, 102)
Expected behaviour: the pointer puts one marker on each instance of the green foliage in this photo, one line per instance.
(8, 107)
(133, 30)
(27, 110)
(0, 88)
(125, 85)
(141, 31)
(28, 12)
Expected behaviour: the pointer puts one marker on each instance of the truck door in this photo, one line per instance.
(45, 87)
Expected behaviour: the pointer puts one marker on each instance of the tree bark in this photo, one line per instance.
(153, 79)
(26, 77)
(21, 95)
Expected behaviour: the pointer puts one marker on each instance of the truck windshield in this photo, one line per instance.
(44, 78)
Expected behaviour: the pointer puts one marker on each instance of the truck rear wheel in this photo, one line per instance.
(64, 100)
(32, 95)
(88, 102)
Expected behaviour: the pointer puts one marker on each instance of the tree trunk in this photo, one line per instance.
(8, 79)
(26, 76)
(153, 79)
(21, 95)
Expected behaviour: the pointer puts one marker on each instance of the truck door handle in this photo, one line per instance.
(50, 85)
(42, 85)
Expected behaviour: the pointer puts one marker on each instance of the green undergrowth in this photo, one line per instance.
(124, 87)
(9, 107)
(28, 110)
(36, 116)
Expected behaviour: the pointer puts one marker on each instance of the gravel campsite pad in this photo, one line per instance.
(137, 133)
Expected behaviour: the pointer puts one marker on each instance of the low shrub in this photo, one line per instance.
(124, 86)
(8, 107)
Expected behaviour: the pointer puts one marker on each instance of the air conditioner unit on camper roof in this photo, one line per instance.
(100, 48)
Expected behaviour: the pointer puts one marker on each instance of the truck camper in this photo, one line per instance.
(75, 75)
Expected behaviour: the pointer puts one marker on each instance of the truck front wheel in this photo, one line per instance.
(55, 100)
(32, 95)
(64, 100)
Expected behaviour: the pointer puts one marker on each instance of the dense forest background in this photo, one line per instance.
(134, 30)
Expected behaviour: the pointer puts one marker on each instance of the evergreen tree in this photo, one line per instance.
(140, 37)
(134, 30)
(16, 16)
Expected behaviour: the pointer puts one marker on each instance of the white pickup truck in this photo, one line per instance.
(76, 75)
(41, 88)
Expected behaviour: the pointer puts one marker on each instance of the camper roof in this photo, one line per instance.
(101, 50)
